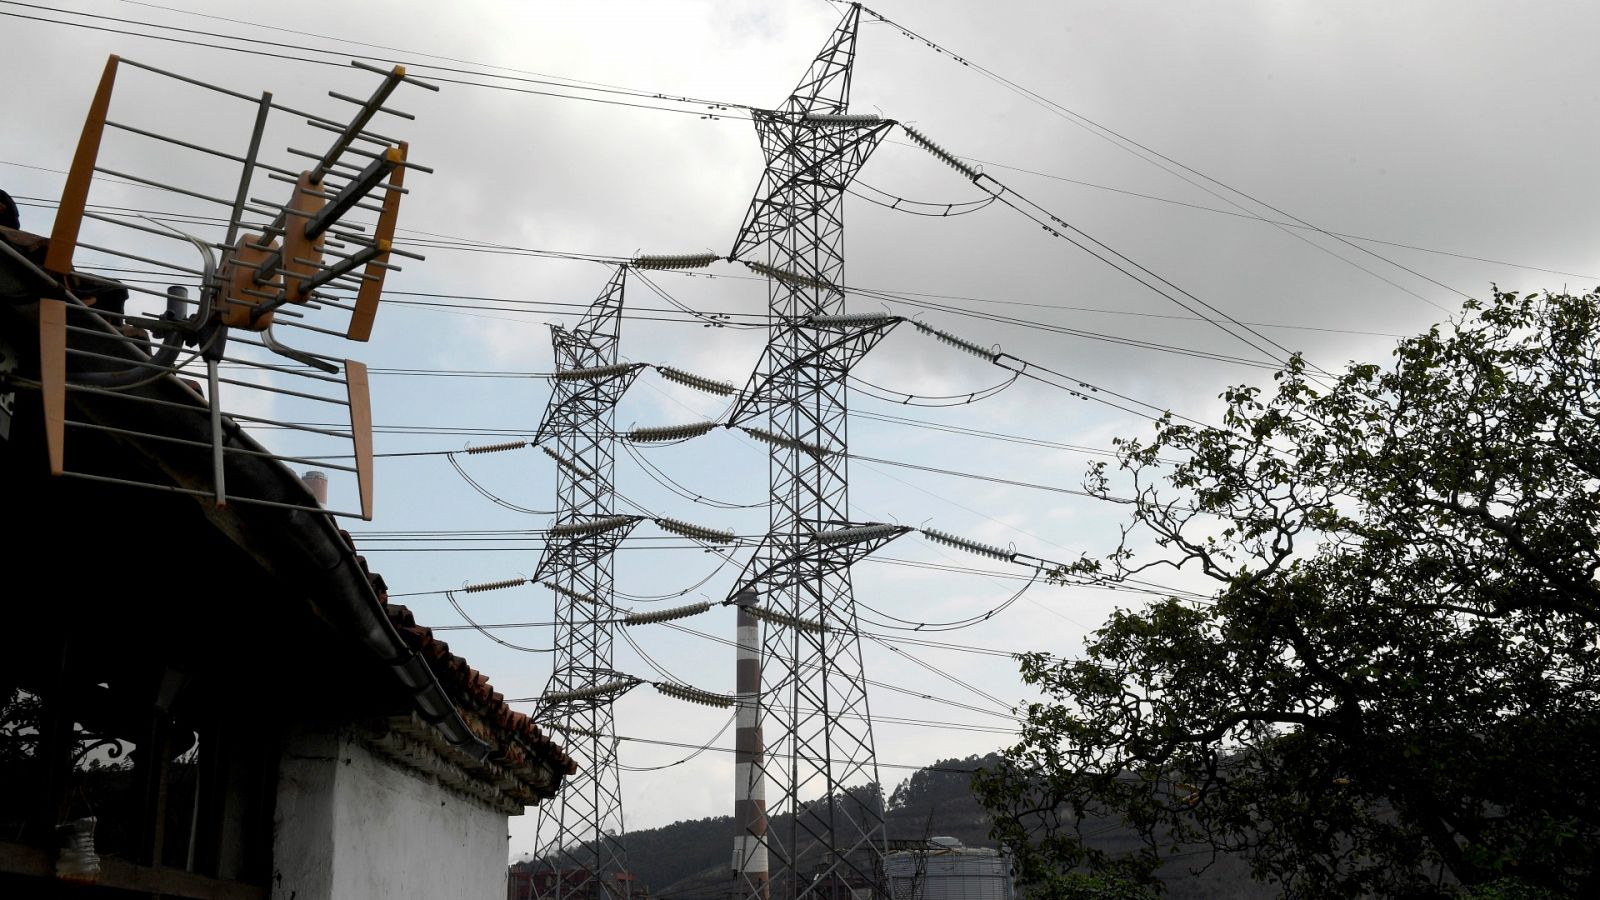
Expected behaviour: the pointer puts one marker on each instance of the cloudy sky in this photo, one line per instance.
(1449, 144)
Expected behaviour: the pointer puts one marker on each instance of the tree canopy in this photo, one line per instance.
(1392, 687)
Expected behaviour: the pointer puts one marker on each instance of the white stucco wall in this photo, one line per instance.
(350, 824)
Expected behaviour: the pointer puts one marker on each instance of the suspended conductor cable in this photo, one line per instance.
(1123, 142)
(938, 671)
(1059, 227)
(648, 660)
(657, 598)
(918, 207)
(451, 596)
(955, 624)
(901, 398)
(490, 495)
(670, 484)
(713, 320)
(708, 745)
(1008, 714)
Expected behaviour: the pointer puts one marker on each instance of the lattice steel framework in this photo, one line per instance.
(825, 830)
(581, 830)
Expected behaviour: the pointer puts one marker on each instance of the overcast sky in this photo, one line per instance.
(1463, 128)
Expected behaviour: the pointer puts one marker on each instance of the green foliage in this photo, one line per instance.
(1510, 889)
(1393, 690)
(1080, 886)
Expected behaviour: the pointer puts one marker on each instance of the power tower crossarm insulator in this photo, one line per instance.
(568, 729)
(697, 532)
(497, 448)
(575, 595)
(977, 350)
(597, 373)
(658, 433)
(605, 689)
(674, 261)
(945, 156)
(493, 585)
(567, 464)
(843, 120)
(666, 615)
(761, 434)
(596, 526)
(854, 320)
(777, 618)
(698, 382)
(960, 543)
(788, 277)
(858, 534)
(693, 694)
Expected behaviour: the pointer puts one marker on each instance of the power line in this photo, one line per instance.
(1122, 142)
(1246, 214)
(722, 114)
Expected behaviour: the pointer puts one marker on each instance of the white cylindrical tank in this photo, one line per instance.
(948, 871)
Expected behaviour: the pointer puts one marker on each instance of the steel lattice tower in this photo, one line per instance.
(819, 755)
(581, 830)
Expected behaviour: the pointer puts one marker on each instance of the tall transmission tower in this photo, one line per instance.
(821, 831)
(581, 831)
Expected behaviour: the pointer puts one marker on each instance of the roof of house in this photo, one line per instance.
(518, 740)
(454, 725)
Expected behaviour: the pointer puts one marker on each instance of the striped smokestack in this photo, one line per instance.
(317, 482)
(750, 782)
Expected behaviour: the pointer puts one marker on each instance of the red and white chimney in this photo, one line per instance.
(750, 781)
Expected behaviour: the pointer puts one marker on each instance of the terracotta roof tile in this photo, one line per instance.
(518, 742)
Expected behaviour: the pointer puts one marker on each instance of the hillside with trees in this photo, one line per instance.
(689, 860)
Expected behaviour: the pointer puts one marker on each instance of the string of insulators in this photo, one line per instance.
(778, 440)
(778, 618)
(922, 141)
(595, 373)
(568, 729)
(789, 277)
(959, 343)
(674, 260)
(856, 534)
(843, 120)
(693, 695)
(666, 615)
(497, 448)
(961, 543)
(576, 595)
(852, 320)
(604, 689)
(697, 532)
(493, 585)
(568, 464)
(658, 433)
(699, 383)
(573, 529)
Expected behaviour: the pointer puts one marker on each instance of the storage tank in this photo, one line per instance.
(945, 870)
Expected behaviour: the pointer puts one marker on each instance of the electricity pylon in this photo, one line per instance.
(818, 755)
(581, 830)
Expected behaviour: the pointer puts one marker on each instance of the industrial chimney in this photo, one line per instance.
(750, 780)
(317, 481)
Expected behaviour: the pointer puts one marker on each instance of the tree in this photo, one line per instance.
(1392, 688)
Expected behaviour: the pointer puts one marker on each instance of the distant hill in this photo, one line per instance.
(690, 860)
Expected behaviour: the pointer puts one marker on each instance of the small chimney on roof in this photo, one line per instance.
(317, 481)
